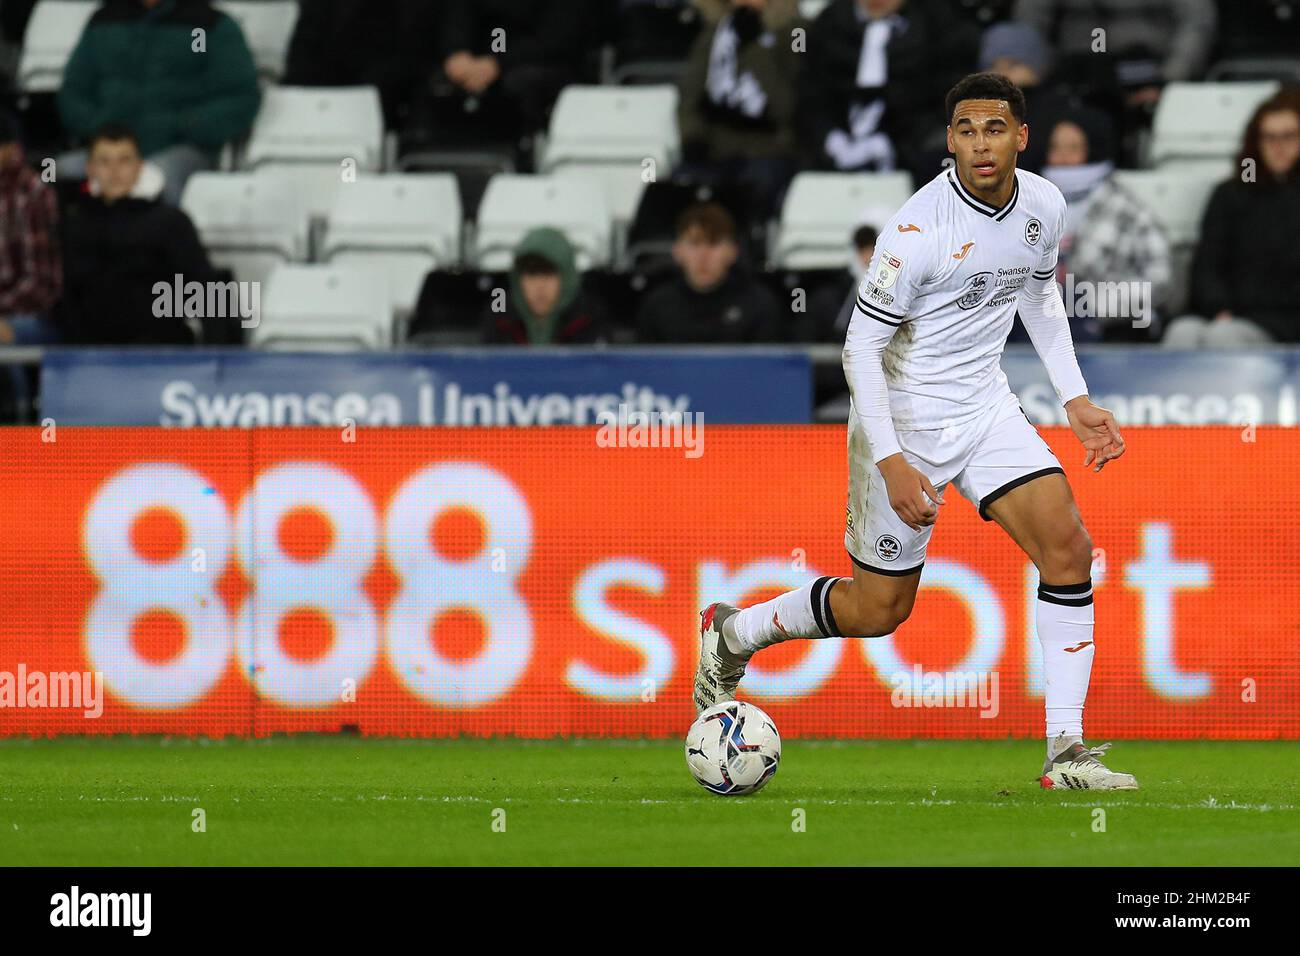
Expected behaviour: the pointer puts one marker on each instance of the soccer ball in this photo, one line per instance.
(733, 748)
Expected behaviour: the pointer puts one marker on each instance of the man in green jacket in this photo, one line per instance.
(177, 72)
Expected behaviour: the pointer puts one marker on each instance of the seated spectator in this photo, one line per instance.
(1110, 236)
(388, 44)
(831, 306)
(137, 63)
(1246, 274)
(713, 299)
(119, 241)
(736, 107)
(876, 69)
(546, 304)
(1019, 52)
(31, 274)
(1125, 53)
(514, 56)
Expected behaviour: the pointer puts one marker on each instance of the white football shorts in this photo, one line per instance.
(986, 457)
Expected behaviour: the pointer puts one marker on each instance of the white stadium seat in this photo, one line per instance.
(822, 210)
(1175, 197)
(406, 224)
(611, 136)
(320, 134)
(1203, 123)
(248, 223)
(513, 204)
(268, 28)
(324, 307)
(52, 33)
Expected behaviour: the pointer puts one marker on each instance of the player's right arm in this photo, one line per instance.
(899, 266)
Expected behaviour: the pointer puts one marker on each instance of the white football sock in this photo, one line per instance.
(804, 612)
(1065, 630)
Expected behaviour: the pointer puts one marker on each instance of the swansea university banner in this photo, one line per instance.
(547, 581)
(186, 388)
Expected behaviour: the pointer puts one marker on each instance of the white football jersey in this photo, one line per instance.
(946, 274)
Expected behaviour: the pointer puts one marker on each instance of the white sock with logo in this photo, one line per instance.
(803, 613)
(1065, 630)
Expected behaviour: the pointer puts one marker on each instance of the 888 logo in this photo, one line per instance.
(180, 582)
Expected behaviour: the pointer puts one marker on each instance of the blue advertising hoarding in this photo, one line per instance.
(188, 388)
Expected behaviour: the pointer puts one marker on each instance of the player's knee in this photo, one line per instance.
(1068, 560)
(876, 616)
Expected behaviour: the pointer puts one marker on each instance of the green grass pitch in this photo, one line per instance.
(350, 801)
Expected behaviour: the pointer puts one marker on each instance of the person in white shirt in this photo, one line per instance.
(931, 406)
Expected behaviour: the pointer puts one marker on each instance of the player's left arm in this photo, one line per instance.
(1043, 313)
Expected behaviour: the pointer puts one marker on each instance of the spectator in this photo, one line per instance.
(516, 53)
(1110, 238)
(1145, 46)
(119, 241)
(138, 62)
(736, 110)
(713, 299)
(388, 44)
(1019, 52)
(831, 306)
(1246, 273)
(31, 274)
(1153, 42)
(876, 70)
(546, 304)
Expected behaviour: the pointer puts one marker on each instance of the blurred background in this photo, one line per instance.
(399, 175)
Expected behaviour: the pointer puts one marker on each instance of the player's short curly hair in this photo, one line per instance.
(986, 86)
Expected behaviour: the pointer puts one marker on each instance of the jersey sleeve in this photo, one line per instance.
(1043, 314)
(900, 268)
(899, 271)
(1052, 247)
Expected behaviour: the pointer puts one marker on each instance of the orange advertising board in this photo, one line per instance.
(440, 582)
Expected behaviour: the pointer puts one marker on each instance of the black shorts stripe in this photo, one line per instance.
(1066, 602)
(900, 573)
(997, 493)
(1066, 588)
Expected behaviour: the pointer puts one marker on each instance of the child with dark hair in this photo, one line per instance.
(546, 304)
(713, 298)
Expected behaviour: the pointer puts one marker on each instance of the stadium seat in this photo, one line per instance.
(514, 204)
(52, 34)
(406, 224)
(313, 132)
(249, 223)
(650, 238)
(1201, 123)
(821, 210)
(268, 28)
(1177, 199)
(451, 307)
(655, 37)
(607, 134)
(324, 307)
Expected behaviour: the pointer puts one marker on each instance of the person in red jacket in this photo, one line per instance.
(31, 271)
